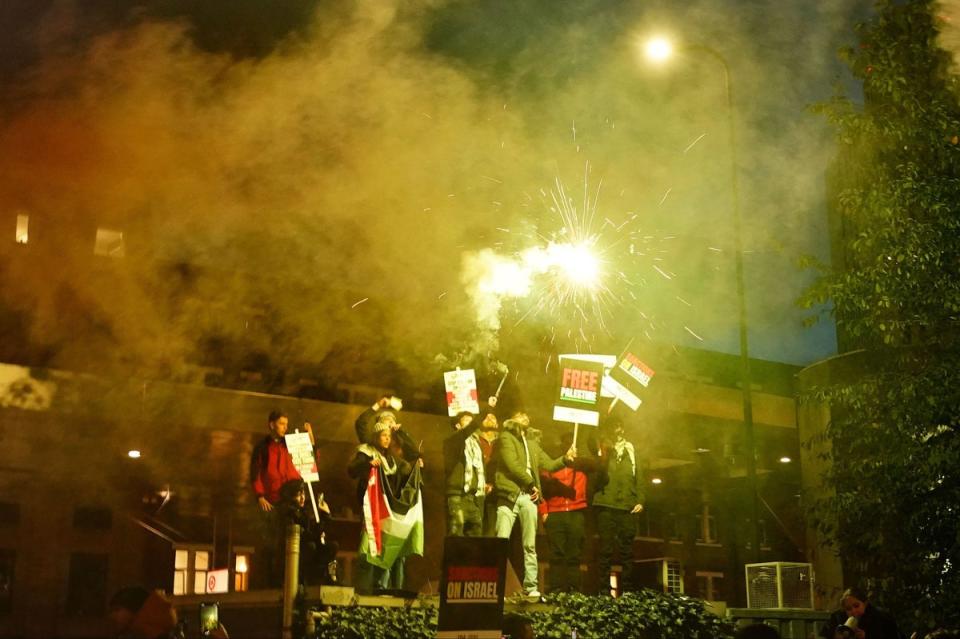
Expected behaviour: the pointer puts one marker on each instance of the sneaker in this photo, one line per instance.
(533, 594)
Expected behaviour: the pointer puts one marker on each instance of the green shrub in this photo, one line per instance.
(640, 615)
(370, 622)
(636, 615)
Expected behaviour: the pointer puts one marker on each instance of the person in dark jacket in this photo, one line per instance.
(858, 615)
(395, 470)
(271, 466)
(318, 557)
(617, 500)
(466, 483)
(516, 488)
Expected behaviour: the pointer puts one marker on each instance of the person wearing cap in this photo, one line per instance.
(466, 484)
(394, 471)
(516, 488)
(384, 410)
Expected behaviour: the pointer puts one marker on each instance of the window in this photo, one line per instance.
(748, 532)
(241, 572)
(109, 243)
(7, 561)
(190, 567)
(90, 518)
(674, 529)
(649, 524)
(674, 576)
(87, 584)
(9, 514)
(707, 527)
(23, 229)
(201, 564)
(710, 585)
(180, 563)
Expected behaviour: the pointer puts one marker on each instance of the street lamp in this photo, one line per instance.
(659, 50)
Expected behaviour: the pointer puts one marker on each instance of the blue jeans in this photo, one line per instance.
(526, 510)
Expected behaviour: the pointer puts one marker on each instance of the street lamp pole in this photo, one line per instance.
(662, 51)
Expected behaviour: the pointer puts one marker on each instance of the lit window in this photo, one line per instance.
(201, 562)
(241, 570)
(190, 566)
(109, 243)
(23, 229)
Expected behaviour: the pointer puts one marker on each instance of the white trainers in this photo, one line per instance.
(533, 594)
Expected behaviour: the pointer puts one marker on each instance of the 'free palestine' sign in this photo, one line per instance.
(578, 392)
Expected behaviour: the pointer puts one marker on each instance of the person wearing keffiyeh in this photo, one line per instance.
(618, 499)
(466, 483)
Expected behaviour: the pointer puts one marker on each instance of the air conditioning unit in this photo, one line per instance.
(780, 584)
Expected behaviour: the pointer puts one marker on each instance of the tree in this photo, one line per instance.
(894, 291)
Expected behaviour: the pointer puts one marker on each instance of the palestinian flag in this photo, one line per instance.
(392, 517)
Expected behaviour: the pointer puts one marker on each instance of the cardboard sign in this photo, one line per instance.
(628, 379)
(608, 361)
(579, 392)
(300, 448)
(218, 581)
(461, 386)
(471, 588)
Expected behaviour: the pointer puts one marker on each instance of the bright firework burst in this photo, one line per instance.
(580, 270)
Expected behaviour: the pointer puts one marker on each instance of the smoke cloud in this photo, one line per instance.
(314, 204)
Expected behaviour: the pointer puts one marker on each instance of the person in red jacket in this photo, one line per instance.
(563, 513)
(271, 466)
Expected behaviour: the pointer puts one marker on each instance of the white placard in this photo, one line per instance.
(461, 387)
(300, 448)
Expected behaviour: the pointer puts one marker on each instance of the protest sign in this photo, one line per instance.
(461, 387)
(628, 379)
(301, 450)
(608, 361)
(579, 392)
(472, 588)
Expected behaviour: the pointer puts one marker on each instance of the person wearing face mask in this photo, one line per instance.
(859, 619)
(617, 501)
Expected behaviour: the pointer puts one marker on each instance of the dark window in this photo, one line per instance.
(7, 560)
(9, 514)
(92, 518)
(87, 585)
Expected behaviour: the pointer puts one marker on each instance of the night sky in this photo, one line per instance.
(327, 182)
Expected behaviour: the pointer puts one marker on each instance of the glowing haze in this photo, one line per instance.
(364, 192)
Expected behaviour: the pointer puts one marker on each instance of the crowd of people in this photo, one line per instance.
(497, 476)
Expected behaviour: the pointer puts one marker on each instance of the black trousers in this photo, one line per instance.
(616, 530)
(565, 538)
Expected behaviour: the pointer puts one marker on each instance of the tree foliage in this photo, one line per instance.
(893, 475)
